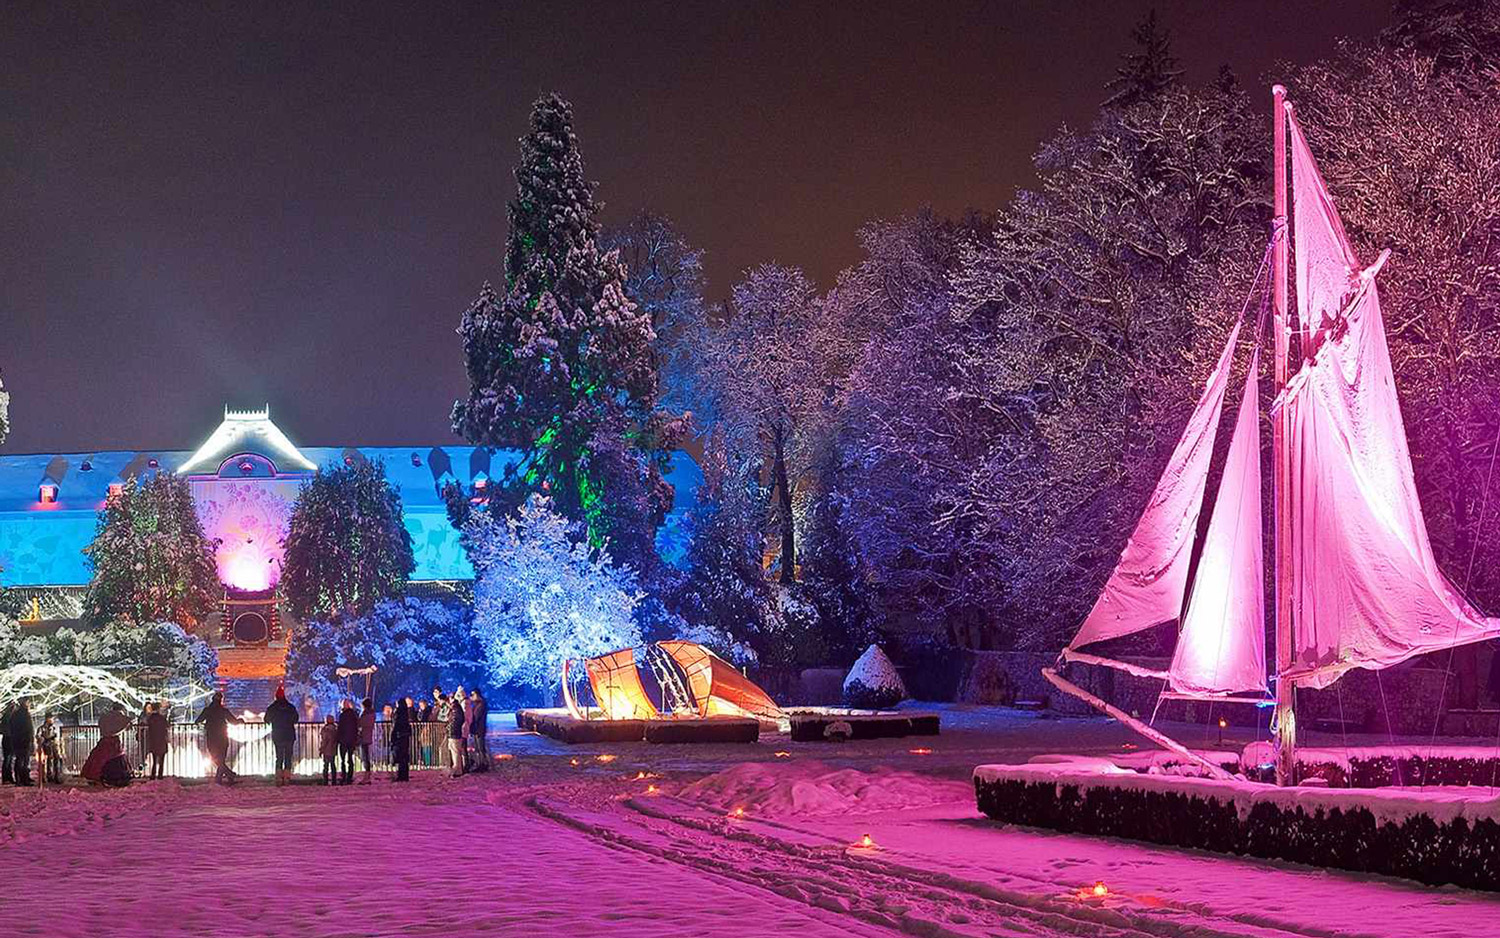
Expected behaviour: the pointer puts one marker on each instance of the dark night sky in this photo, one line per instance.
(204, 203)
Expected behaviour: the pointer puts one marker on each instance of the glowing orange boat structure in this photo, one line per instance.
(691, 682)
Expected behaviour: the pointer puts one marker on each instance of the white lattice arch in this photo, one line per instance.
(49, 686)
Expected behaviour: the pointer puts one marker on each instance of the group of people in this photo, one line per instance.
(447, 730)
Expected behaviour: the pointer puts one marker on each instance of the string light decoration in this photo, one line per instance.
(50, 686)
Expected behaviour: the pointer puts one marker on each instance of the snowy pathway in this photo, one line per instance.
(573, 841)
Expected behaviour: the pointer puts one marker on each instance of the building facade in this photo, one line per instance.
(244, 478)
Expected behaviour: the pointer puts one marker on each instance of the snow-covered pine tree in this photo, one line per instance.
(541, 595)
(347, 546)
(1149, 70)
(152, 562)
(560, 363)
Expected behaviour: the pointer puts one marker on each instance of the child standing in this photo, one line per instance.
(328, 745)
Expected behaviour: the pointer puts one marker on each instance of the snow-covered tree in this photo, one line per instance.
(664, 278)
(415, 643)
(1149, 70)
(559, 360)
(157, 648)
(151, 560)
(542, 595)
(347, 545)
(873, 683)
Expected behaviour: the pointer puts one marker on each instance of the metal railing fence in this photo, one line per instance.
(250, 749)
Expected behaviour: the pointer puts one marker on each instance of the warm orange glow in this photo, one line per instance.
(867, 841)
(736, 813)
(782, 753)
(1100, 890)
(651, 789)
(922, 751)
(1130, 746)
(572, 761)
(503, 756)
(606, 757)
(1223, 723)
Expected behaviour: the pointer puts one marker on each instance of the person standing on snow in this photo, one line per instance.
(348, 739)
(157, 731)
(401, 740)
(6, 775)
(216, 719)
(456, 733)
(328, 747)
(282, 718)
(22, 735)
(46, 746)
(366, 737)
(478, 730)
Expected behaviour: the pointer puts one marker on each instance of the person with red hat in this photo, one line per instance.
(282, 718)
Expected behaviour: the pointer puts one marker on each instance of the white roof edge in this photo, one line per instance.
(246, 431)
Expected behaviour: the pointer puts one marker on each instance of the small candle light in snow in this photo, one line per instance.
(504, 756)
(920, 751)
(606, 757)
(782, 753)
(572, 761)
(867, 841)
(651, 789)
(1100, 890)
(1223, 723)
(738, 812)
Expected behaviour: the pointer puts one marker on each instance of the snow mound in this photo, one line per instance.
(873, 681)
(812, 788)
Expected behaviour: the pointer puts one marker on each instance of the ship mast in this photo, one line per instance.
(1285, 720)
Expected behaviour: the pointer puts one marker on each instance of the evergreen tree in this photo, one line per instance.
(10, 603)
(560, 363)
(1149, 70)
(347, 546)
(152, 562)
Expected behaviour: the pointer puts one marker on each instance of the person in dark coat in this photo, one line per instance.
(401, 741)
(456, 732)
(216, 719)
(22, 735)
(348, 742)
(479, 730)
(281, 716)
(6, 775)
(157, 731)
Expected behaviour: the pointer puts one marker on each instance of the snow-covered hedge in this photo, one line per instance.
(1434, 837)
(1379, 766)
(873, 683)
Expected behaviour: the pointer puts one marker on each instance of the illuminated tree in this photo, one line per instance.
(559, 360)
(347, 547)
(151, 560)
(415, 643)
(542, 595)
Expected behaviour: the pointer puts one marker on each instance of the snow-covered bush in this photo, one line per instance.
(873, 683)
(414, 643)
(159, 646)
(541, 595)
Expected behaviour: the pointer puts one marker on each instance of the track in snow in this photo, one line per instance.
(869, 888)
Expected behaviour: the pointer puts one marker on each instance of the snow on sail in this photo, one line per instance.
(1149, 582)
(1222, 646)
(1367, 591)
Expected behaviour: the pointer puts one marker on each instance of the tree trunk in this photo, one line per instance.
(784, 509)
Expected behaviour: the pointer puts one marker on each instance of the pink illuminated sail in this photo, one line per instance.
(1367, 591)
(1221, 648)
(1149, 582)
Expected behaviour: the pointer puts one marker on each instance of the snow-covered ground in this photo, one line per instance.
(727, 840)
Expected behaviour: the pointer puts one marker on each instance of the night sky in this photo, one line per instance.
(206, 203)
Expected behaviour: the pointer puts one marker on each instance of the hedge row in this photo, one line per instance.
(1380, 771)
(1418, 848)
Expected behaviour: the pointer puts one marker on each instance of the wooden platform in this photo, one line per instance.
(834, 724)
(560, 725)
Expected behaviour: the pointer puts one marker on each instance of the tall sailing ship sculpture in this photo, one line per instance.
(1356, 582)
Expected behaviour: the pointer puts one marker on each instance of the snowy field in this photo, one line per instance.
(713, 841)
